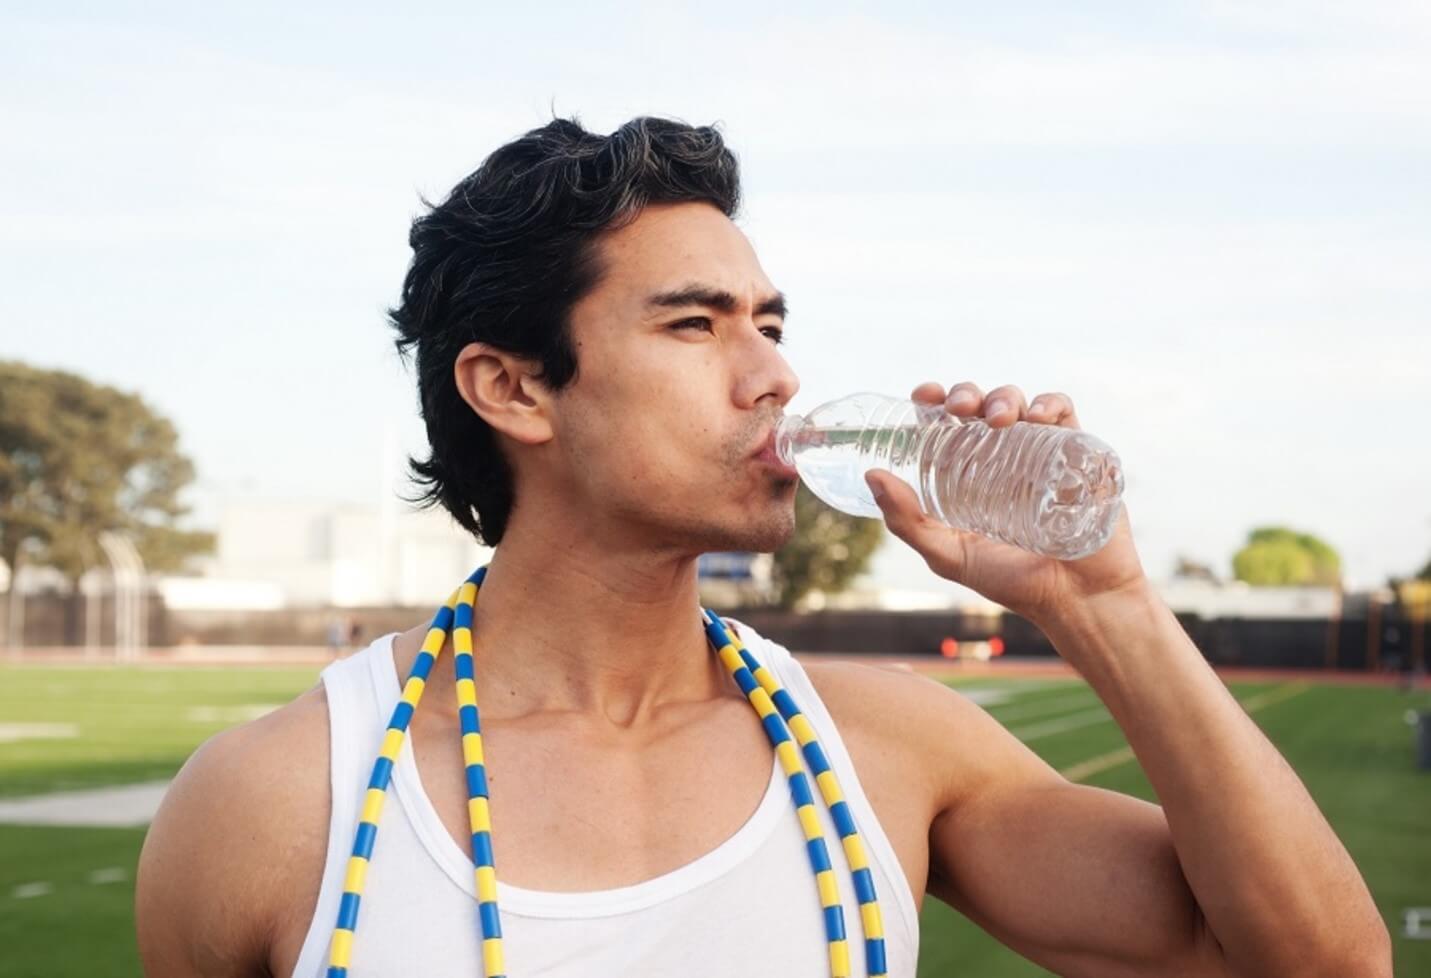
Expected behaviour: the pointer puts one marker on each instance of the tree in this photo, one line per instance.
(78, 458)
(1413, 593)
(1276, 555)
(828, 551)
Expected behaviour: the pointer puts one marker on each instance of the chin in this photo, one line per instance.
(757, 520)
(768, 531)
(765, 531)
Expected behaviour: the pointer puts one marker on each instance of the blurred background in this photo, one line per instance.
(1208, 223)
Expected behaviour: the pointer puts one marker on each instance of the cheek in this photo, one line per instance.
(672, 452)
(629, 449)
(676, 398)
(653, 418)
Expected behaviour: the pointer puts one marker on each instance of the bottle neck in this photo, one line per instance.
(785, 432)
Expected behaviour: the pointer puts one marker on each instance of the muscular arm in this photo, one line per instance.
(1081, 880)
(1272, 880)
(1236, 874)
(236, 829)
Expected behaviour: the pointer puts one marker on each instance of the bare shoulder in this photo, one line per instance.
(242, 830)
(933, 733)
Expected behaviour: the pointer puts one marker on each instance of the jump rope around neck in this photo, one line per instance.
(778, 715)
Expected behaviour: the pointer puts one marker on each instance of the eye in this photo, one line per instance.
(776, 333)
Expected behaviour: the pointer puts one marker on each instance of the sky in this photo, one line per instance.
(1209, 223)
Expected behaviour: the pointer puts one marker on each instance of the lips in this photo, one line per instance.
(767, 455)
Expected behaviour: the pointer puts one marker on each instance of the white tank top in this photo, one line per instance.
(747, 907)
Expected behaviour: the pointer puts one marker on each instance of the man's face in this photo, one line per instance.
(680, 382)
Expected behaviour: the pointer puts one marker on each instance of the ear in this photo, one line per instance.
(503, 388)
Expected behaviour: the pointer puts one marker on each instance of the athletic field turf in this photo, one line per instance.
(66, 892)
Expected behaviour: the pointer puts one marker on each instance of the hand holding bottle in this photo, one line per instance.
(1030, 584)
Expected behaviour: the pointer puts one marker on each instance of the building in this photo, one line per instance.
(286, 553)
(1237, 599)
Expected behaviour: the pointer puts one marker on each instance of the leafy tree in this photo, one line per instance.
(1413, 593)
(78, 458)
(1276, 555)
(829, 549)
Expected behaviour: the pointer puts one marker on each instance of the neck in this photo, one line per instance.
(608, 634)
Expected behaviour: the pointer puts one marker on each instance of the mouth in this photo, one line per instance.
(769, 457)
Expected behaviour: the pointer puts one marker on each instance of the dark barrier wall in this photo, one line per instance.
(897, 633)
(1259, 642)
(1385, 644)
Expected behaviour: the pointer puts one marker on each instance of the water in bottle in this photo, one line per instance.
(1054, 491)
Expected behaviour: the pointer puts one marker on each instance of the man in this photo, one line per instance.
(598, 363)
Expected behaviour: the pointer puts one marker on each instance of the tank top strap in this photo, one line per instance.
(354, 730)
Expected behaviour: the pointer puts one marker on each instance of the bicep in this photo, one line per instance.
(1082, 880)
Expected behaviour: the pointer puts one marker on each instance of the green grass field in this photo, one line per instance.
(66, 893)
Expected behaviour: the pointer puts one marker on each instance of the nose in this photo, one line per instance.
(762, 372)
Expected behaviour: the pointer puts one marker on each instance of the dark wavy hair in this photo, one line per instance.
(505, 258)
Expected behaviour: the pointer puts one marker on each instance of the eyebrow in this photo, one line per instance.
(713, 298)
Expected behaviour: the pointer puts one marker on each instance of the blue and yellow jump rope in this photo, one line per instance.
(778, 714)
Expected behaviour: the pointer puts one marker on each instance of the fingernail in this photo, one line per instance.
(995, 407)
(962, 397)
(875, 488)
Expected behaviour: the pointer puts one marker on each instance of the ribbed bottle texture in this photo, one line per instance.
(1054, 491)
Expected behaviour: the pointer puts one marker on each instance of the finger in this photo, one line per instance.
(1004, 406)
(941, 546)
(964, 399)
(929, 392)
(1049, 408)
(1055, 409)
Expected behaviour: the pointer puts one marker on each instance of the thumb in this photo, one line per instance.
(896, 501)
(936, 542)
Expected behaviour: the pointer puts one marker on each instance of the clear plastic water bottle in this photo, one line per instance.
(1054, 491)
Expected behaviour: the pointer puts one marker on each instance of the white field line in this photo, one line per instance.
(125, 806)
(985, 697)
(1021, 710)
(1092, 766)
(11, 733)
(999, 695)
(1073, 721)
(28, 891)
(43, 888)
(1112, 759)
(1254, 703)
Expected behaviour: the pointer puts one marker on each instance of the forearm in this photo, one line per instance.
(1275, 885)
